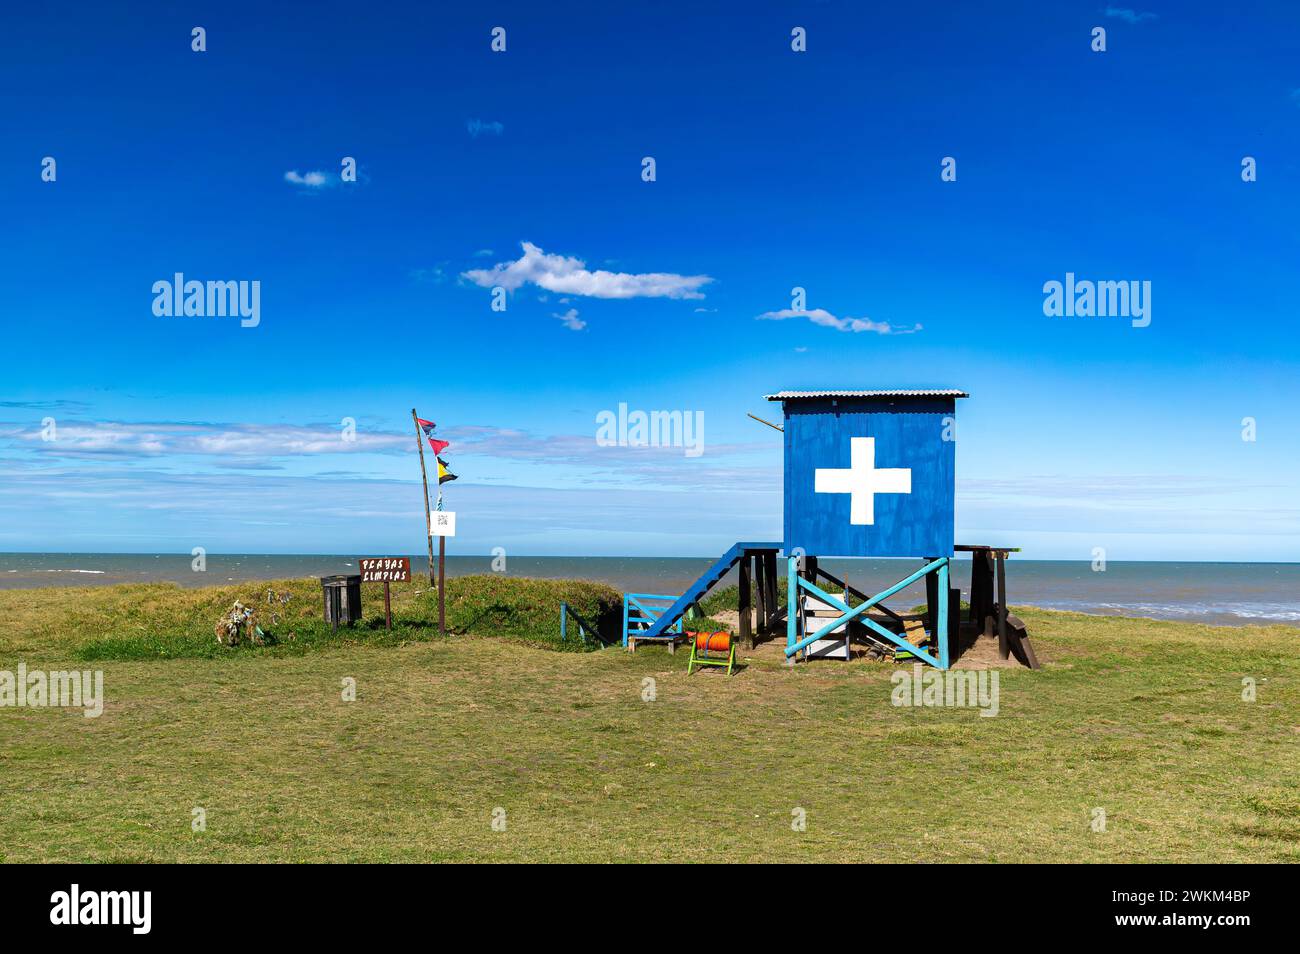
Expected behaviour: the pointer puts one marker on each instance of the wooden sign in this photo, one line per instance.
(385, 569)
(442, 523)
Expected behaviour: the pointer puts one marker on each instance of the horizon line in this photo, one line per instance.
(588, 556)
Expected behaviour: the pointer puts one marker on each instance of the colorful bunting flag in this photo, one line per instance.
(427, 426)
(444, 474)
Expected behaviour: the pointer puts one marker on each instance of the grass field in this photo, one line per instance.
(1142, 719)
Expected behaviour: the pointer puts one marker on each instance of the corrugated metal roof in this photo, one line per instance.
(810, 395)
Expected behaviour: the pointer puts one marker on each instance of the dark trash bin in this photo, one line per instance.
(342, 599)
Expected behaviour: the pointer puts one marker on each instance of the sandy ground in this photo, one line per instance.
(982, 654)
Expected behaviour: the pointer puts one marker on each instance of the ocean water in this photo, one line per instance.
(1221, 593)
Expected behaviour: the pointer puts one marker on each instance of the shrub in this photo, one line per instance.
(529, 609)
(164, 621)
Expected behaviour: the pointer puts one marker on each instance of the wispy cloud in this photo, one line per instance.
(259, 447)
(1130, 16)
(1180, 504)
(246, 443)
(430, 275)
(478, 127)
(571, 320)
(570, 276)
(1104, 491)
(820, 316)
(513, 444)
(156, 511)
(309, 180)
(55, 405)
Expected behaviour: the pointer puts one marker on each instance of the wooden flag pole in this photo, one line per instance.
(428, 518)
(442, 561)
(442, 590)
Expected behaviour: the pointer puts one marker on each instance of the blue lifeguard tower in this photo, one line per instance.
(868, 473)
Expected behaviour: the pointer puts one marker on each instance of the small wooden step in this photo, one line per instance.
(914, 632)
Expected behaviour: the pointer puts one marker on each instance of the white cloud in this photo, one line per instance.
(311, 180)
(242, 441)
(570, 276)
(820, 316)
(571, 320)
(168, 513)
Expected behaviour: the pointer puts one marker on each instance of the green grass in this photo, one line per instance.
(1143, 719)
(166, 621)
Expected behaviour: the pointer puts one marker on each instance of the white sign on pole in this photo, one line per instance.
(442, 523)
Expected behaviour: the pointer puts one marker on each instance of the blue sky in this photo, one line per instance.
(774, 169)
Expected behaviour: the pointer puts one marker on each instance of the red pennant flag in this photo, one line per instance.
(427, 426)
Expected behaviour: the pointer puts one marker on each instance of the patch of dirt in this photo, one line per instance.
(982, 654)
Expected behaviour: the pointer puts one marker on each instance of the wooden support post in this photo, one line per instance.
(932, 602)
(388, 608)
(981, 596)
(941, 582)
(1004, 643)
(976, 591)
(791, 607)
(997, 616)
(442, 587)
(746, 623)
(760, 578)
(809, 574)
(773, 590)
(988, 624)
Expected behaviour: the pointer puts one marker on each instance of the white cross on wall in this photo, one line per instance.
(862, 481)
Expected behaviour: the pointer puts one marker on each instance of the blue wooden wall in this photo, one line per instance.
(909, 434)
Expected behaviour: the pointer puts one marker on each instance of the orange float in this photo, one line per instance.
(719, 642)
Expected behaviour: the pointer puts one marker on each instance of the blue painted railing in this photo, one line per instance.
(671, 616)
(641, 611)
(793, 642)
(565, 613)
